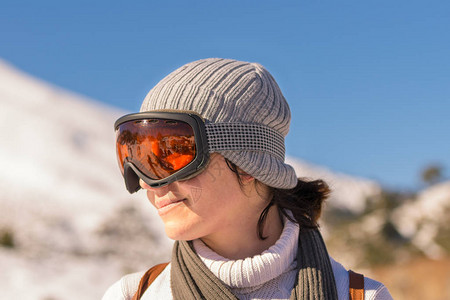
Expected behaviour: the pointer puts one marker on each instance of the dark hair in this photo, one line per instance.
(304, 201)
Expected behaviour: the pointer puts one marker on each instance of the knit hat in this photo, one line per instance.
(246, 115)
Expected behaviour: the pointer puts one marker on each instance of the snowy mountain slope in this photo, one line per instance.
(62, 193)
(348, 192)
(57, 149)
(64, 200)
(422, 218)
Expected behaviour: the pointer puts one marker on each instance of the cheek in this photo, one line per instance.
(202, 188)
(212, 193)
(151, 197)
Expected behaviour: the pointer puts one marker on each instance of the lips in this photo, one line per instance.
(167, 202)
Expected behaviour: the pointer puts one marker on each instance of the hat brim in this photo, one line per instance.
(264, 167)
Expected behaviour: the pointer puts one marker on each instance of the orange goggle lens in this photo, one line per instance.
(157, 147)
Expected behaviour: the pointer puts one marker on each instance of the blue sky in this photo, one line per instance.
(368, 81)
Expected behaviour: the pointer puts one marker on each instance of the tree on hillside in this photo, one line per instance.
(432, 173)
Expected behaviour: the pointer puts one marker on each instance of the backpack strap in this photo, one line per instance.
(148, 279)
(356, 286)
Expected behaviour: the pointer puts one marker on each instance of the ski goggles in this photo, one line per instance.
(160, 147)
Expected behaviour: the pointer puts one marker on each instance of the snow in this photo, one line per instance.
(60, 187)
(348, 192)
(421, 219)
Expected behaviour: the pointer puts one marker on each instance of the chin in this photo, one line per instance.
(180, 233)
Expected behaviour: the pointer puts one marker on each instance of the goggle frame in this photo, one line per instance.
(132, 174)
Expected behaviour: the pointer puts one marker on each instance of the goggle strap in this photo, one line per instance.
(245, 137)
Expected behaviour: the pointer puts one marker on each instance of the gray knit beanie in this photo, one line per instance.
(245, 113)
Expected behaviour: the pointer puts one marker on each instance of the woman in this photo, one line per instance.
(208, 148)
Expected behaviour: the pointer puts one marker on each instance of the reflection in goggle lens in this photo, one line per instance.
(157, 147)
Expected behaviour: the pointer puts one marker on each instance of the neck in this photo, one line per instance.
(242, 240)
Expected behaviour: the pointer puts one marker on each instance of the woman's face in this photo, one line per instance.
(210, 204)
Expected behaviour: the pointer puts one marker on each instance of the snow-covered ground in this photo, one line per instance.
(63, 198)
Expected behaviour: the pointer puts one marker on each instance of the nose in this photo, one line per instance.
(159, 191)
(143, 185)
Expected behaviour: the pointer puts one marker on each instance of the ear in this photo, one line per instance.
(246, 178)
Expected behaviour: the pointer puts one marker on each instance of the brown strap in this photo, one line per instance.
(356, 286)
(147, 280)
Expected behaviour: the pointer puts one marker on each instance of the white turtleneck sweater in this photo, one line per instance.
(270, 275)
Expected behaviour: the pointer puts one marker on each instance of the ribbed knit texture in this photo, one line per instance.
(316, 274)
(225, 91)
(270, 275)
(161, 288)
(192, 279)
